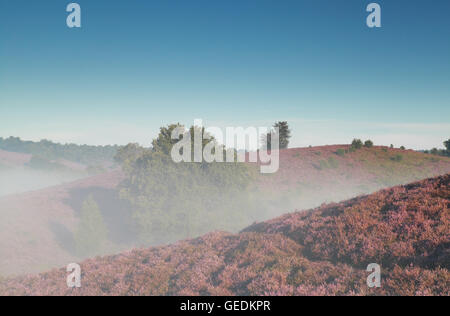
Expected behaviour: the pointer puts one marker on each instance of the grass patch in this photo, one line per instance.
(397, 158)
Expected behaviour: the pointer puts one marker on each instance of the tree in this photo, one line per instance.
(357, 144)
(284, 134)
(171, 201)
(128, 154)
(368, 144)
(447, 147)
(164, 142)
(92, 233)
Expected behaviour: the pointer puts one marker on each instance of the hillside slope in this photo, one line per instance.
(36, 228)
(11, 159)
(318, 252)
(335, 173)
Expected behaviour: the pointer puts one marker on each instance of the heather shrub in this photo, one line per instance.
(400, 226)
(317, 252)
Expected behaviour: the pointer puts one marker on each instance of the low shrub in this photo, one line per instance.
(397, 158)
(357, 144)
(368, 144)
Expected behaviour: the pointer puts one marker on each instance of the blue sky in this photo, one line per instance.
(136, 65)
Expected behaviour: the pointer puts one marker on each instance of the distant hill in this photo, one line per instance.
(84, 154)
(308, 177)
(11, 159)
(311, 176)
(323, 251)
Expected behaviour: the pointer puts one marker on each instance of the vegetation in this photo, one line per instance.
(447, 147)
(284, 134)
(397, 158)
(368, 144)
(172, 201)
(51, 151)
(318, 252)
(92, 233)
(341, 152)
(440, 152)
(357, 144)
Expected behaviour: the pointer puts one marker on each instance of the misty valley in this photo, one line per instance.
(129, 197)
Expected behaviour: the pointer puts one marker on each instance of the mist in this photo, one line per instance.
(151, 201)
(20, 180)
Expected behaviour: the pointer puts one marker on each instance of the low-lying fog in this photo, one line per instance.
(20, 180)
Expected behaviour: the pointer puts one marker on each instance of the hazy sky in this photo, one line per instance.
(136, 65)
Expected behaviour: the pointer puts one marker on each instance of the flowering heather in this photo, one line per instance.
(402, 225)
(307, 178)
(317, 252)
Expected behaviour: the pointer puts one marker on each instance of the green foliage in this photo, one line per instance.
(357, 144)
(447, 147)
(441, 152)
(91, 233)
(172, 201)
(402, 148)
(330, 163)
(164, 142)
(284, 134)
(368, 144)
(51, 151)
(333, 163)
(127, 155)
(340, 152)
(397, 158)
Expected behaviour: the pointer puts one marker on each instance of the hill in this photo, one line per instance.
(10, 159)
(36, 227)
(311, 176)
(26, 172)
(323, 251)
(83, 154)
(307, 178)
